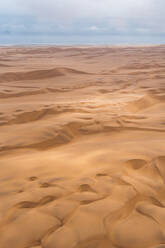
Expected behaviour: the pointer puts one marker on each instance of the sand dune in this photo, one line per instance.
(4, 65)
(21, 93)
(82, 158)
(145, 102)
(37, 74)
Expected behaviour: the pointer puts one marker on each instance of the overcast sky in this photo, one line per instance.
(83, 18)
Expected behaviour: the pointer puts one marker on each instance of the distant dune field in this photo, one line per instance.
(82, 147)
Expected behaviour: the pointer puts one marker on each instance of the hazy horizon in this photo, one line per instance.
(80, 40)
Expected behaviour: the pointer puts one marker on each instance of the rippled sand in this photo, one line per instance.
(82, 147)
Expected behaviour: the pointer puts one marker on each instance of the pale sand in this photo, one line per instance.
(82, 147)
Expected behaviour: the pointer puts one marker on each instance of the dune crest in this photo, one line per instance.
(37, 74)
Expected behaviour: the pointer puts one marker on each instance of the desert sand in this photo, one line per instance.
(82, 147)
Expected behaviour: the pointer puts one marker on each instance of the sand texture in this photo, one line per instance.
(82, 147)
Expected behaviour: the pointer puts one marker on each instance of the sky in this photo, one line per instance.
(82, 21)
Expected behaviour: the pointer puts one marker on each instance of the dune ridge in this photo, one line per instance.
(145, 102)
(37, 74)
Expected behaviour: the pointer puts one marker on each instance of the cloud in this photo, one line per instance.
(119, 17)
(74, 10)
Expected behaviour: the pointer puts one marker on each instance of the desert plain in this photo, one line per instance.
(82, 147)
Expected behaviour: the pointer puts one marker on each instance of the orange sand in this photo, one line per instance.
(82, 147)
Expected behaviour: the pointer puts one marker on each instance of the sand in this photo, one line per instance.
(82, 147)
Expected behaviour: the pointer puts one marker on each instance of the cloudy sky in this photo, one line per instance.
(82, 21)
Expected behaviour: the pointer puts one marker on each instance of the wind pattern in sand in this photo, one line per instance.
(82, 147)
